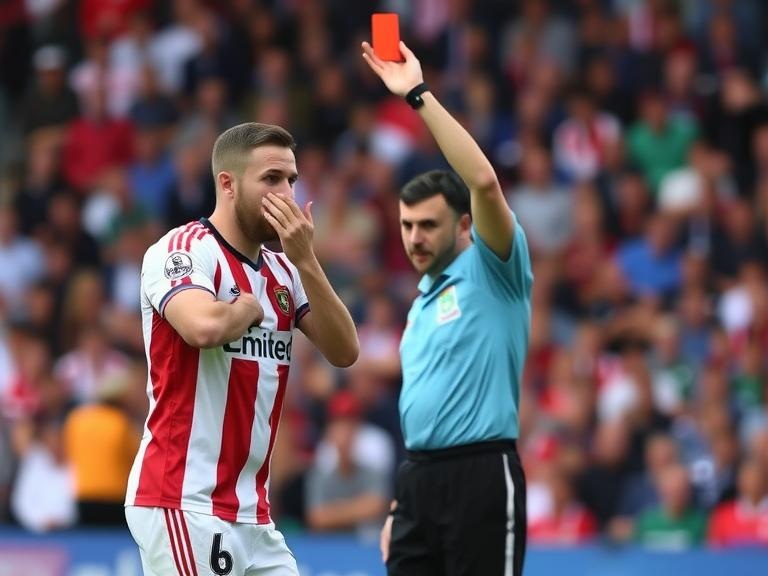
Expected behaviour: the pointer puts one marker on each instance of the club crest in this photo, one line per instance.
(283, 299)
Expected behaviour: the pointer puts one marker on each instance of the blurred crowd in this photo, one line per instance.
(631, 139)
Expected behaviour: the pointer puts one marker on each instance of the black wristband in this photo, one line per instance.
(414, 98)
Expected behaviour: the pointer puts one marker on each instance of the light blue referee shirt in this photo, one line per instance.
(464, 347)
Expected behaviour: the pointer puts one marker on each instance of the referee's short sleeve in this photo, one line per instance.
(513, 276)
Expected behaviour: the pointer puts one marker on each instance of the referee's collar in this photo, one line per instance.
(239, 255)
(428, 283)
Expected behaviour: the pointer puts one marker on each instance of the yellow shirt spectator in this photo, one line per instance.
(100, 442)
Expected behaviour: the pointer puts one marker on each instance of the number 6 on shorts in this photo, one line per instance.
(221, 560)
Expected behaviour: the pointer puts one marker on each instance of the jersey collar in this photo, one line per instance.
(239, 255)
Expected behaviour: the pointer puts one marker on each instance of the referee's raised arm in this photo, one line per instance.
(490, 214)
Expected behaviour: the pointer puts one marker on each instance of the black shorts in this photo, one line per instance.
(460, 512)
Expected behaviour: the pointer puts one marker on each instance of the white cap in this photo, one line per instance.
(681, 189)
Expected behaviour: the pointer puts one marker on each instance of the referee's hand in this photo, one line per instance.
(399, 77)
(386, 536)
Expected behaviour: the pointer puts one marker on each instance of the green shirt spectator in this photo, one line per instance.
(675, 524)
(658, 144)
(656, 529)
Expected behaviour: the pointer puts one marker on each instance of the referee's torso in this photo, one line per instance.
(464, 348)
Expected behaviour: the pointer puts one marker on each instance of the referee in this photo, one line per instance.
(460, 495)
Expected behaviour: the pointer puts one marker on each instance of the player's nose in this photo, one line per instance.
(286, 189)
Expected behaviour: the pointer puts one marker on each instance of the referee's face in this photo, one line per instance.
(432, 234)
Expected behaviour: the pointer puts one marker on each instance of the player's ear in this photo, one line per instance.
(226, 183)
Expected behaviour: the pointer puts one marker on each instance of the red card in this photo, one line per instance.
(386, 36)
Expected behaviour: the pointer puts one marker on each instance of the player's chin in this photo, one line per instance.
(267, 233)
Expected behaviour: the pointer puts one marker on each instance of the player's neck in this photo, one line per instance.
(235, 237)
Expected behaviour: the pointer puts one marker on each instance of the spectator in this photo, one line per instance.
(151, 174)
(50, 104)
(657, 143)
(675, 524)
(539, 35)
(91, 364)
(640, 492)
(673, 379)
(543, 206)
(43, 495)
(173, 45)
(744, 520)
(63, 226)
(379, 334)
(193, 193)
(105, 19)
(42, 178)
(570, 523)
(94, 142)
(100, 442)
(652, 264)
(694, 312)
(605, 477)
(580, 141)
(738, 112)
(21, 261)
(350, 496)
(735, 241)
(97, 71)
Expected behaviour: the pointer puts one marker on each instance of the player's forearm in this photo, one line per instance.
(334, 331)
(347, 513)
(219, 323)
(459, 148)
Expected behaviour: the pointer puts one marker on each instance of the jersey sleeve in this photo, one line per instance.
(513, 276)
(299, 297)
(166, 272)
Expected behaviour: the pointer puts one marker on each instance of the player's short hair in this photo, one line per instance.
(233, 146)
(435, 182)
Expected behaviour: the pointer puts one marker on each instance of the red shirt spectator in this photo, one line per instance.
(95, 142)
(574, 525)
(569, 522)
(108, 17)
(744, 521)
(738, 523)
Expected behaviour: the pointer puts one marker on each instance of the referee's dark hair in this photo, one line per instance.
(435, 182)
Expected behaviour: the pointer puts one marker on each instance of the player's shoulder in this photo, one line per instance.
(184, 238)
(180, 245)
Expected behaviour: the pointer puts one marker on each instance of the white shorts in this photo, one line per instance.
(174, 542)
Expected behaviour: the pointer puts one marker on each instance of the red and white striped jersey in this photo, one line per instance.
(213, 413)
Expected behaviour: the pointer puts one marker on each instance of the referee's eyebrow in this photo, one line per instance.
(422, 222)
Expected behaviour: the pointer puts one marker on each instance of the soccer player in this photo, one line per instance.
(218, 312)
(460, 495)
